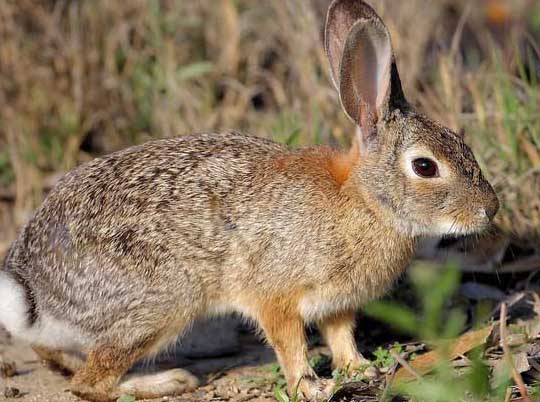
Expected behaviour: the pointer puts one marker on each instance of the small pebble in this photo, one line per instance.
(516, 339)
(11, 392)
(371, 372)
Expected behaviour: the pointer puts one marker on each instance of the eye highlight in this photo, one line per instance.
(425, 168)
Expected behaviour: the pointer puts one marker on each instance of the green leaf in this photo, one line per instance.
(455, 323)
(432, 390)
(126, 398)
(293, 138)
(280, 395)
(383, 358)
(479, 378)
(194, 70)
(435, 286)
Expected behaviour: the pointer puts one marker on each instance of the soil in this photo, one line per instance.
(247, 375)
(232, 364)
(244, 376)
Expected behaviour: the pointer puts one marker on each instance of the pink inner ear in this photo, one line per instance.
(383, 73)
(365, 73)
(371, 66)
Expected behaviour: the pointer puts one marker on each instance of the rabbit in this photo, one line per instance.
(129, 249)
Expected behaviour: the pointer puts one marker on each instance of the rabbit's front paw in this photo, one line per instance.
(315, 389)
(361, 366)
(356, 365)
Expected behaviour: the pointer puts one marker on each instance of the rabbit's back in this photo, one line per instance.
(138, 229)
(146, 195)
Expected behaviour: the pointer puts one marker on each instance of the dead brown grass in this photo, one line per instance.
(79, 79)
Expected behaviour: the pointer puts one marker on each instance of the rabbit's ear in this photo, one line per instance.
(363, 67)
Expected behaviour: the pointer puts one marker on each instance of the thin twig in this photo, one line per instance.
(506, 349)
(405, 365)
(508, 394)
(390, 382)
(511, 300)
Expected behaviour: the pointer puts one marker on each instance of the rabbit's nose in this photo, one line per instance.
(492, 207)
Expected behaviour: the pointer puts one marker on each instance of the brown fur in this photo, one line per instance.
(65, 363)
(284, 330)
(342, 164)
(105, 365)
(130, 248)
(337, 164)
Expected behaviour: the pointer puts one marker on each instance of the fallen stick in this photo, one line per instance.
(404, 364)
(508, 356)
(423, 364)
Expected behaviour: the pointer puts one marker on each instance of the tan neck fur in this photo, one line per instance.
(359, 206)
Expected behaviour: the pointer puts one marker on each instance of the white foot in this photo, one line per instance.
(165, 383)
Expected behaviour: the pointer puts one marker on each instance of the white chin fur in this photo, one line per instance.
(450, 228)
(47, 331)
(438, 229)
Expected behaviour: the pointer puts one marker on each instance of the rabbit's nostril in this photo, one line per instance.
(492, 208)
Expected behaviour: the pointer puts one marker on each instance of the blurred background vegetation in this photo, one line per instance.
(79, 79)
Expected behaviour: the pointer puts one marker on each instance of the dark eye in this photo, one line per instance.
(425, 168)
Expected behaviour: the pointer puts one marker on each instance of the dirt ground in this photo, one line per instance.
(247, 375)
(239, 367)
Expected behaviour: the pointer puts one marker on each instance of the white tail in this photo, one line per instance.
(47, 331)
(13, 306)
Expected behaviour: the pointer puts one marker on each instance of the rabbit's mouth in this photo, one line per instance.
(461, 226)
(442, 225)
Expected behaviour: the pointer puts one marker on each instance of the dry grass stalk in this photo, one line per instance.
(79, 79)
(508, 355)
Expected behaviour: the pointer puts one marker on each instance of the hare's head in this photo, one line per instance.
(419, 174)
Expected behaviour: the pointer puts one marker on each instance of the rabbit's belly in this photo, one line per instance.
(328, 299)
(318, 304)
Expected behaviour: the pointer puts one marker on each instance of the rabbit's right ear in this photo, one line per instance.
(360, 52)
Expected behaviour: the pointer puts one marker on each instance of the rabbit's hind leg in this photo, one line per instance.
(105, 365)
(63, 362)
(101, 377)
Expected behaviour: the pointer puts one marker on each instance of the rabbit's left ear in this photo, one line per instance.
(360, 52)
